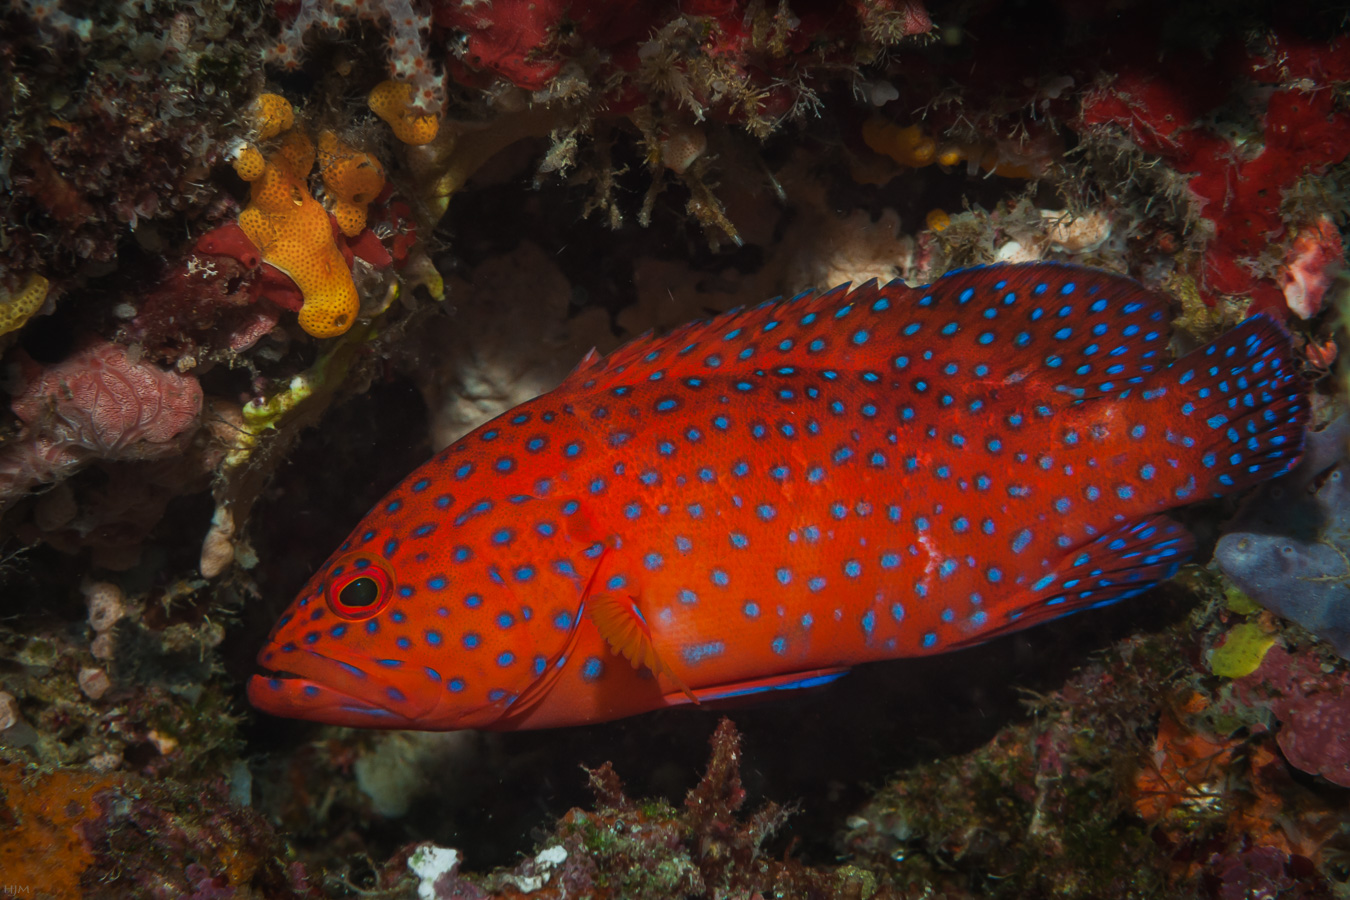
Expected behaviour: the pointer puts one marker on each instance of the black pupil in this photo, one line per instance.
(360, 592)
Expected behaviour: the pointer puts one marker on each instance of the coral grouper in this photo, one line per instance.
(758, 502)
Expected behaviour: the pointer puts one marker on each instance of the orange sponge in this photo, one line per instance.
(273, 114)
(290, 228)
(392, 101)
(292, 232)
(908, 146)
(353, 179)
(296, 153)
(19, 306)
(249, 163)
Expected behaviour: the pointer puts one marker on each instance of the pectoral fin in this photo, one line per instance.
(622, 625)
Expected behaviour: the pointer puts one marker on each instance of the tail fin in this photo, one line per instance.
(1244, 407)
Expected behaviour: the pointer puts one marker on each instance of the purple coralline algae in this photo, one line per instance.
(1312, 706)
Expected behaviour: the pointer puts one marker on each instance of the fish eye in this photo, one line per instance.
(359, 592)
(359, 587)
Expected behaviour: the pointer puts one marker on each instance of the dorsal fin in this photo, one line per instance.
(1059, 329)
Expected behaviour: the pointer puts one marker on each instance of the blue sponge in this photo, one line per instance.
(1289, 549)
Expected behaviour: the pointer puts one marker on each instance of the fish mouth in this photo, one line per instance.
(319, 688)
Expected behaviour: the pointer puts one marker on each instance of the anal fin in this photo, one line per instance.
(790, 681)
(1121, 563)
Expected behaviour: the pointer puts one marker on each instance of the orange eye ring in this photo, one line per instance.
(359, 586)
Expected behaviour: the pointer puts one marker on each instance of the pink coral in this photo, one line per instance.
(1313, 260)
(97, 404)
(102, 401)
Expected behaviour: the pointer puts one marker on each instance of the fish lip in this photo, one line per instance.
(306, 667)
(282, 696)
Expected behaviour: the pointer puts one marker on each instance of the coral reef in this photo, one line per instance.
(70, 834)
(625, 848)
(1128, 780)
(257, 260)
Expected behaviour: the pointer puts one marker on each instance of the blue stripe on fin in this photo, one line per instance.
(791, 681)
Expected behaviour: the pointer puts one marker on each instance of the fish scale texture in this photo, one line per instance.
(758, 502)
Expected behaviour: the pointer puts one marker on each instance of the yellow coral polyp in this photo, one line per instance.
(353, 178)
(18, 307)
(392, 101)
(937, 220)
(273, 114)
(249, 164)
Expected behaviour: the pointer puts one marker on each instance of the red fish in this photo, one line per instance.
(761, 501)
